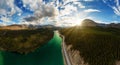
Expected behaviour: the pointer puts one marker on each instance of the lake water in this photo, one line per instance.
(49, 54)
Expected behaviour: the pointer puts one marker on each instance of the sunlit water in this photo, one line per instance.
(49, 54)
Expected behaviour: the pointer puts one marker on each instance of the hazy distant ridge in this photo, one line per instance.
(89, 22)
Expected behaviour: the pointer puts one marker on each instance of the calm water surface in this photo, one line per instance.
(49, 54)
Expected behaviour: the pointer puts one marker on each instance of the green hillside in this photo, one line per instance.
(97, 45)
(24, 41)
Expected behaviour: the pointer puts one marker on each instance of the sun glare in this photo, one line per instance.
(75, 21)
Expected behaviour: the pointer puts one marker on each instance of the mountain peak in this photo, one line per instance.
(88, 22)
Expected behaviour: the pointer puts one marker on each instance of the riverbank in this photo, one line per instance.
(71, 57)
(49, 54)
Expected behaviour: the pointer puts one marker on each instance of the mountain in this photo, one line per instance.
(14, 27)
(91, 23)
(88, 22)
(114, 25)
(23, 26)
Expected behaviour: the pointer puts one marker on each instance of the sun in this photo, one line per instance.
(75, 21)
(72, 20)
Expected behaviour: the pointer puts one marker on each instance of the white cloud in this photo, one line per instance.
(34, 4)
(71, 8)
(66, 1)
(5, 5)
(92, 10)
(116, 10)
(59, 18)
(2, 12)
(74, 19)
(47, 13)
(7, 9)
(5, 19)
(45, 10)
(88, 0)
(80, 5)
(68, 10)
(2, 24)
(40, 13)
(115, 5)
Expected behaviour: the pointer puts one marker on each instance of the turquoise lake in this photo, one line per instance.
(49, 54)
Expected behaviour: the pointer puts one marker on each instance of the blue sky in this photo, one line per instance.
(58, 12)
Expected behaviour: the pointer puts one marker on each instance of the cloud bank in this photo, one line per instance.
(44, 11)
(39, 12)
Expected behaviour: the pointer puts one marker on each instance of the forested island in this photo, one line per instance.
(25, 40)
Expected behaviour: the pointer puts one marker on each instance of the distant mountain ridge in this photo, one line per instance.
(14, 27)
(85, 22)
(114, 25)
(23, 26)
(91, 23)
